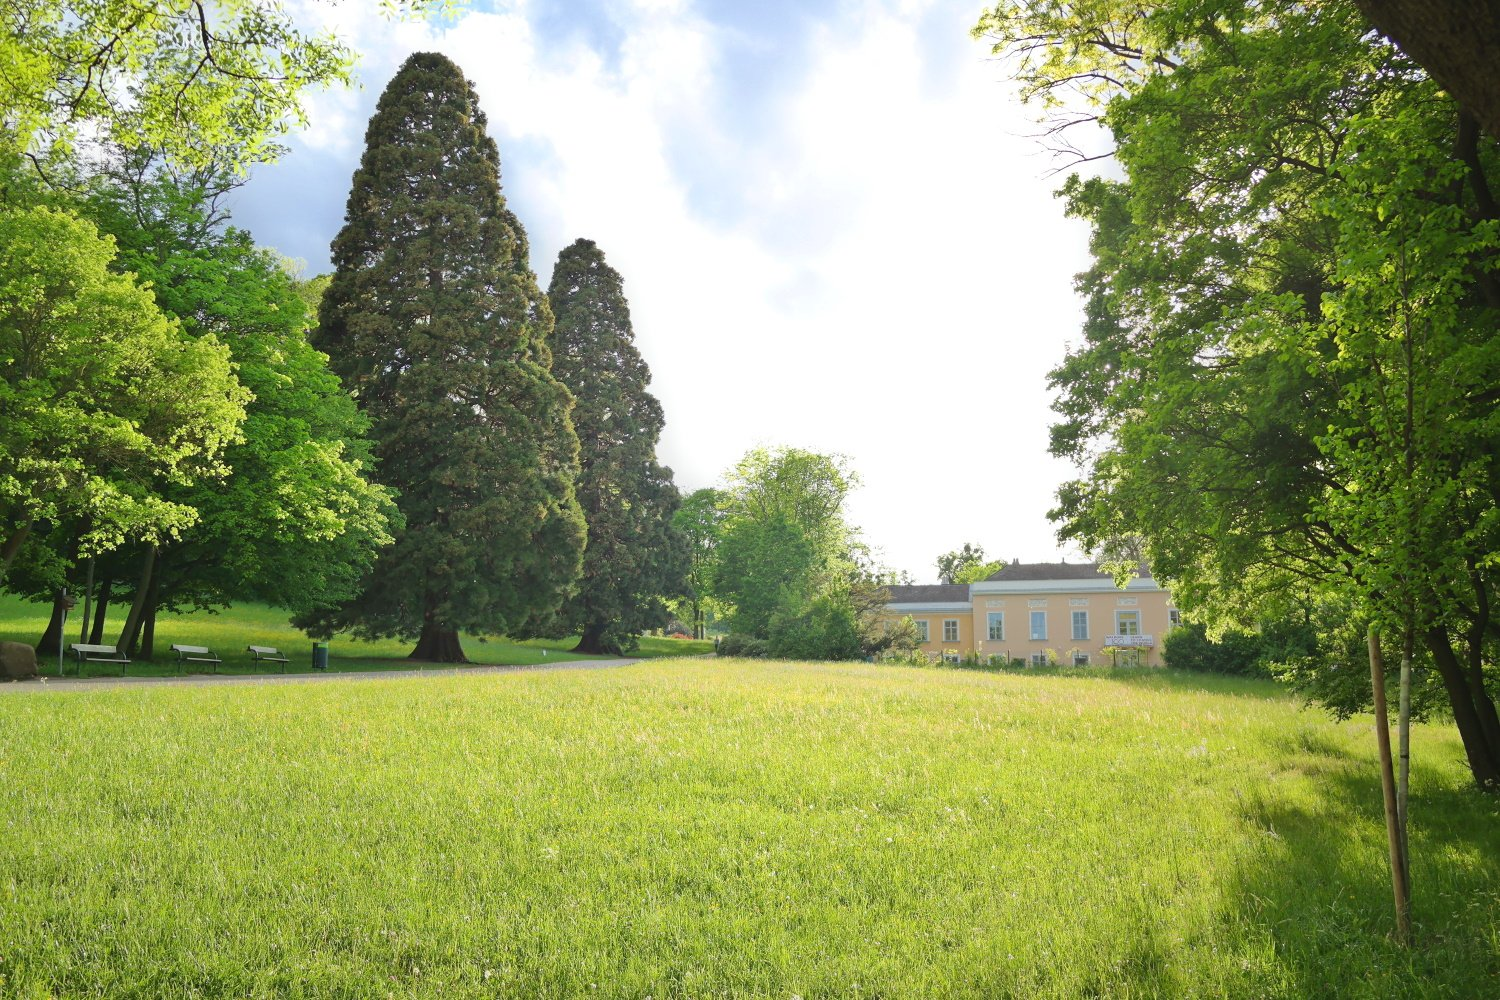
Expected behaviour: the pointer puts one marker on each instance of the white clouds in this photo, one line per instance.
(872, 265)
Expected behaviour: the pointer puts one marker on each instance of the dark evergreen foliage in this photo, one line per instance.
(635, 556)
(435, 323)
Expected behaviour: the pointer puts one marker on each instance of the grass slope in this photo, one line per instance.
(227, 633)
(711, 828)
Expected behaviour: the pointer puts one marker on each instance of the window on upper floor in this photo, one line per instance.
(950, 629)
(1039, 625)
(1080, 624)
(996, 621)
(921, 624)
(1128, 622)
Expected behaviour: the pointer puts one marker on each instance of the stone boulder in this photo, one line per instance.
(17, 660)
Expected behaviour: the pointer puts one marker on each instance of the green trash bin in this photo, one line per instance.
(320, 656)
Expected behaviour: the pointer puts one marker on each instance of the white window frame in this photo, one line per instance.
(923, 633)
(1080, 659)
(993, 619)
(946, 623)
(1174, 618)
(1039, 660)
(1121, 617)
(1084, 633)
(1038, 635)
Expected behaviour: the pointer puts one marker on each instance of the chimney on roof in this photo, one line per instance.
(1015, 562)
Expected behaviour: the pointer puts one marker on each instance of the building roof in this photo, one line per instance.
(1049, 571)
(930, 593)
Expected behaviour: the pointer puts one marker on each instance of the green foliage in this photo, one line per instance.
(634, 556)
(951, 566)
(975, 572)
(296, 523)
(196, 79)
(783, 539)
(741, 646)
(845, 622)
(434, 322)
(698, 521)
(1285, 386)
(1235, 652)
(826, 629)
(102, 399)
(727, 829)
(763, 566)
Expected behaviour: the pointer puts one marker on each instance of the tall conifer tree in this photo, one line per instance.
(435, 323)
(635, 556)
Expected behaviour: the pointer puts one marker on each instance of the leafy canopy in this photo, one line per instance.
(101, 396)
(1286, 383)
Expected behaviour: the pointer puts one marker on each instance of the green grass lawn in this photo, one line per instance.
(703, 828)
(227, 633)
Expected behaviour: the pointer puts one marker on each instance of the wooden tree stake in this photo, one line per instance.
(1388, 786)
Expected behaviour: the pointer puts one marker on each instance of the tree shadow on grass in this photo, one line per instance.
(1315, 887)
(1167, 679)
(1158, 679)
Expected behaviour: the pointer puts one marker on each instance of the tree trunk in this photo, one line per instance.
(52, 637)
(88, 603)
(1403, 744)
(11, 547)
(592, 640)
(1483, 754)
(96, 632)
(1455, 41)
(147, 645)
(438, 644)
(133, 621)
(1484, 706)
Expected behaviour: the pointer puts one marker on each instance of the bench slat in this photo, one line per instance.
(92, 652)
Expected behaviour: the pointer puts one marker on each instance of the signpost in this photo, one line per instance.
(66, 603)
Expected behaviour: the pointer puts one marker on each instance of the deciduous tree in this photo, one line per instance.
(102, 398)
(1286, 383)
(189, 77)
(699, 521)
(785, 538)
(950, 565)
(297, 522)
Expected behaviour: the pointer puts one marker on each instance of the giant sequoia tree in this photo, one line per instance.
(634, 554)
(435, 323)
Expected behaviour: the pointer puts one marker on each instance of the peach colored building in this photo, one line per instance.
(1042, 613)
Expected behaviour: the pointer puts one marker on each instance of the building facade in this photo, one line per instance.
(1041, 613)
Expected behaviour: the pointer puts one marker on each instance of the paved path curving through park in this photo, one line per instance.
(93, 683)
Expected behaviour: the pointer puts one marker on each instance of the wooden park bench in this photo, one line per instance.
(94, 653)
(270, 654)
(195, 654)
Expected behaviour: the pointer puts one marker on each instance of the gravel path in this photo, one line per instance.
(91, 683)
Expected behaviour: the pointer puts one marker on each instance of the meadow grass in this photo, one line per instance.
(710, 828)
(228, 632)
